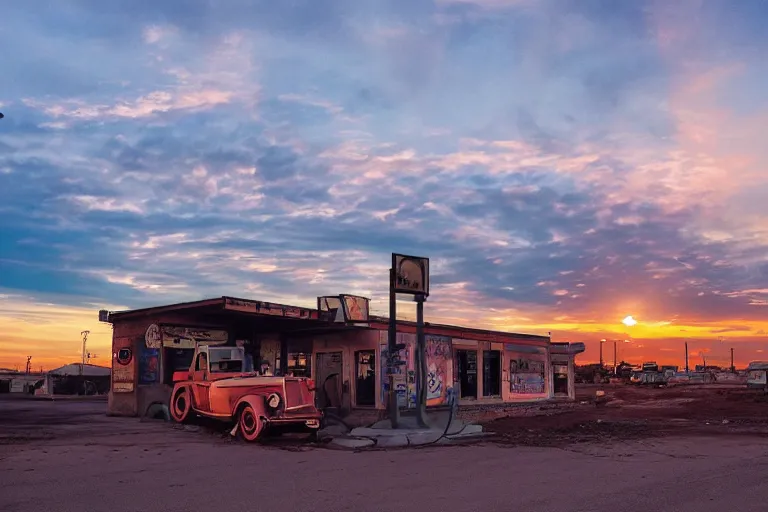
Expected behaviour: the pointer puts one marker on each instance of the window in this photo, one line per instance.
(526, 376)
(365, 381)
(491, 373)
(299, 364)
(227, 366)
(202, 362)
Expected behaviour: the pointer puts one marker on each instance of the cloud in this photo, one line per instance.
(486, 4)
(154, 34)
(564, 166)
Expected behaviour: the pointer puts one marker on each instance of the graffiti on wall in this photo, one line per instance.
(402, 381)
(526, 376)
(438, 352)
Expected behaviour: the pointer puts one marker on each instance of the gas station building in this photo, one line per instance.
(340, 347)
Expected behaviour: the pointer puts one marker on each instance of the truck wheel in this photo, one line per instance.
(180, 405)
(251, 425)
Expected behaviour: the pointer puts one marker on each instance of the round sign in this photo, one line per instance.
(153, 338)
(124, 356)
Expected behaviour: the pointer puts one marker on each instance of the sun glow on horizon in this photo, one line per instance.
(629, 321)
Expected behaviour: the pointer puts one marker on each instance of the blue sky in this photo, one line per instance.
(563, 163)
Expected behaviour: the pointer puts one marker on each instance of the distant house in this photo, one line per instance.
(757, 374)
(88, 370)
(78, 379)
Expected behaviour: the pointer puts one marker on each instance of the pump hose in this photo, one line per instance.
(452, 401)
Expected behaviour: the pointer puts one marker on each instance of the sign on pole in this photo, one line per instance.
(411, 274)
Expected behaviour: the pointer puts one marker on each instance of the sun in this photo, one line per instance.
(629, 321)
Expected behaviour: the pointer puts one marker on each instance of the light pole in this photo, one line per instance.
(601, 351)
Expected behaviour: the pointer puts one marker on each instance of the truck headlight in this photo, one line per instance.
(273, 401)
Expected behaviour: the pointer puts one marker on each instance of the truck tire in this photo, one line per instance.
(181, 405)
(250, 423)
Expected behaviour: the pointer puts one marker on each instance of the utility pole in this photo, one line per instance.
(733, 368)
(686, 357)
(84, 334)
(615, 364)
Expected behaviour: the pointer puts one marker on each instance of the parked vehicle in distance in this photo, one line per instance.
(757, 375)
(215, 386)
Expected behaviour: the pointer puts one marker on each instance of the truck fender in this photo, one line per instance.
(181, 403)
(258, 402)
(251, 416)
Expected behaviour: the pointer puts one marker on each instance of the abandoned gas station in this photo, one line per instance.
(338, 345)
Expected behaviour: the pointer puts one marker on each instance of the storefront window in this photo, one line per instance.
(526, 376)
(299, 364)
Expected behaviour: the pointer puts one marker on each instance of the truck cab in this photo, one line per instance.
(214, 363)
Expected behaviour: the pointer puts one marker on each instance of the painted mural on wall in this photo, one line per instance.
(149, 366)
(439, 369)
(403, 374)
(526, 376)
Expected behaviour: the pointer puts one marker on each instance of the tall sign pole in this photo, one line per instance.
(409, 275)
(394, 410)
(421, 363)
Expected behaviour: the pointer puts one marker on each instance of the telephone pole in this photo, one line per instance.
(686, 357)
(84, 334)
(733, 368)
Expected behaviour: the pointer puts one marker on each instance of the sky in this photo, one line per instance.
(562, 163)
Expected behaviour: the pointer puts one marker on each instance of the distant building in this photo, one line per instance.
(65, 380)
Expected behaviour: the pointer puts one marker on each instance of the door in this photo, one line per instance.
(560, 374)
(200, 385)
(491, 373)
(365, 378)
(328, 379)
(467, 360)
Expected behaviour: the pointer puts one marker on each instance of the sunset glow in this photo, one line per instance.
(629, 321)
(563, 164)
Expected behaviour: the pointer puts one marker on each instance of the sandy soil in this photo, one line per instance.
(633, 412)
(70, 457)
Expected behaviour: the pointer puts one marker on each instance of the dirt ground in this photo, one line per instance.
(636, 412)
(68, 456)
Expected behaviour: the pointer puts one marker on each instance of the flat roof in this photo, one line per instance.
(263, 308)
